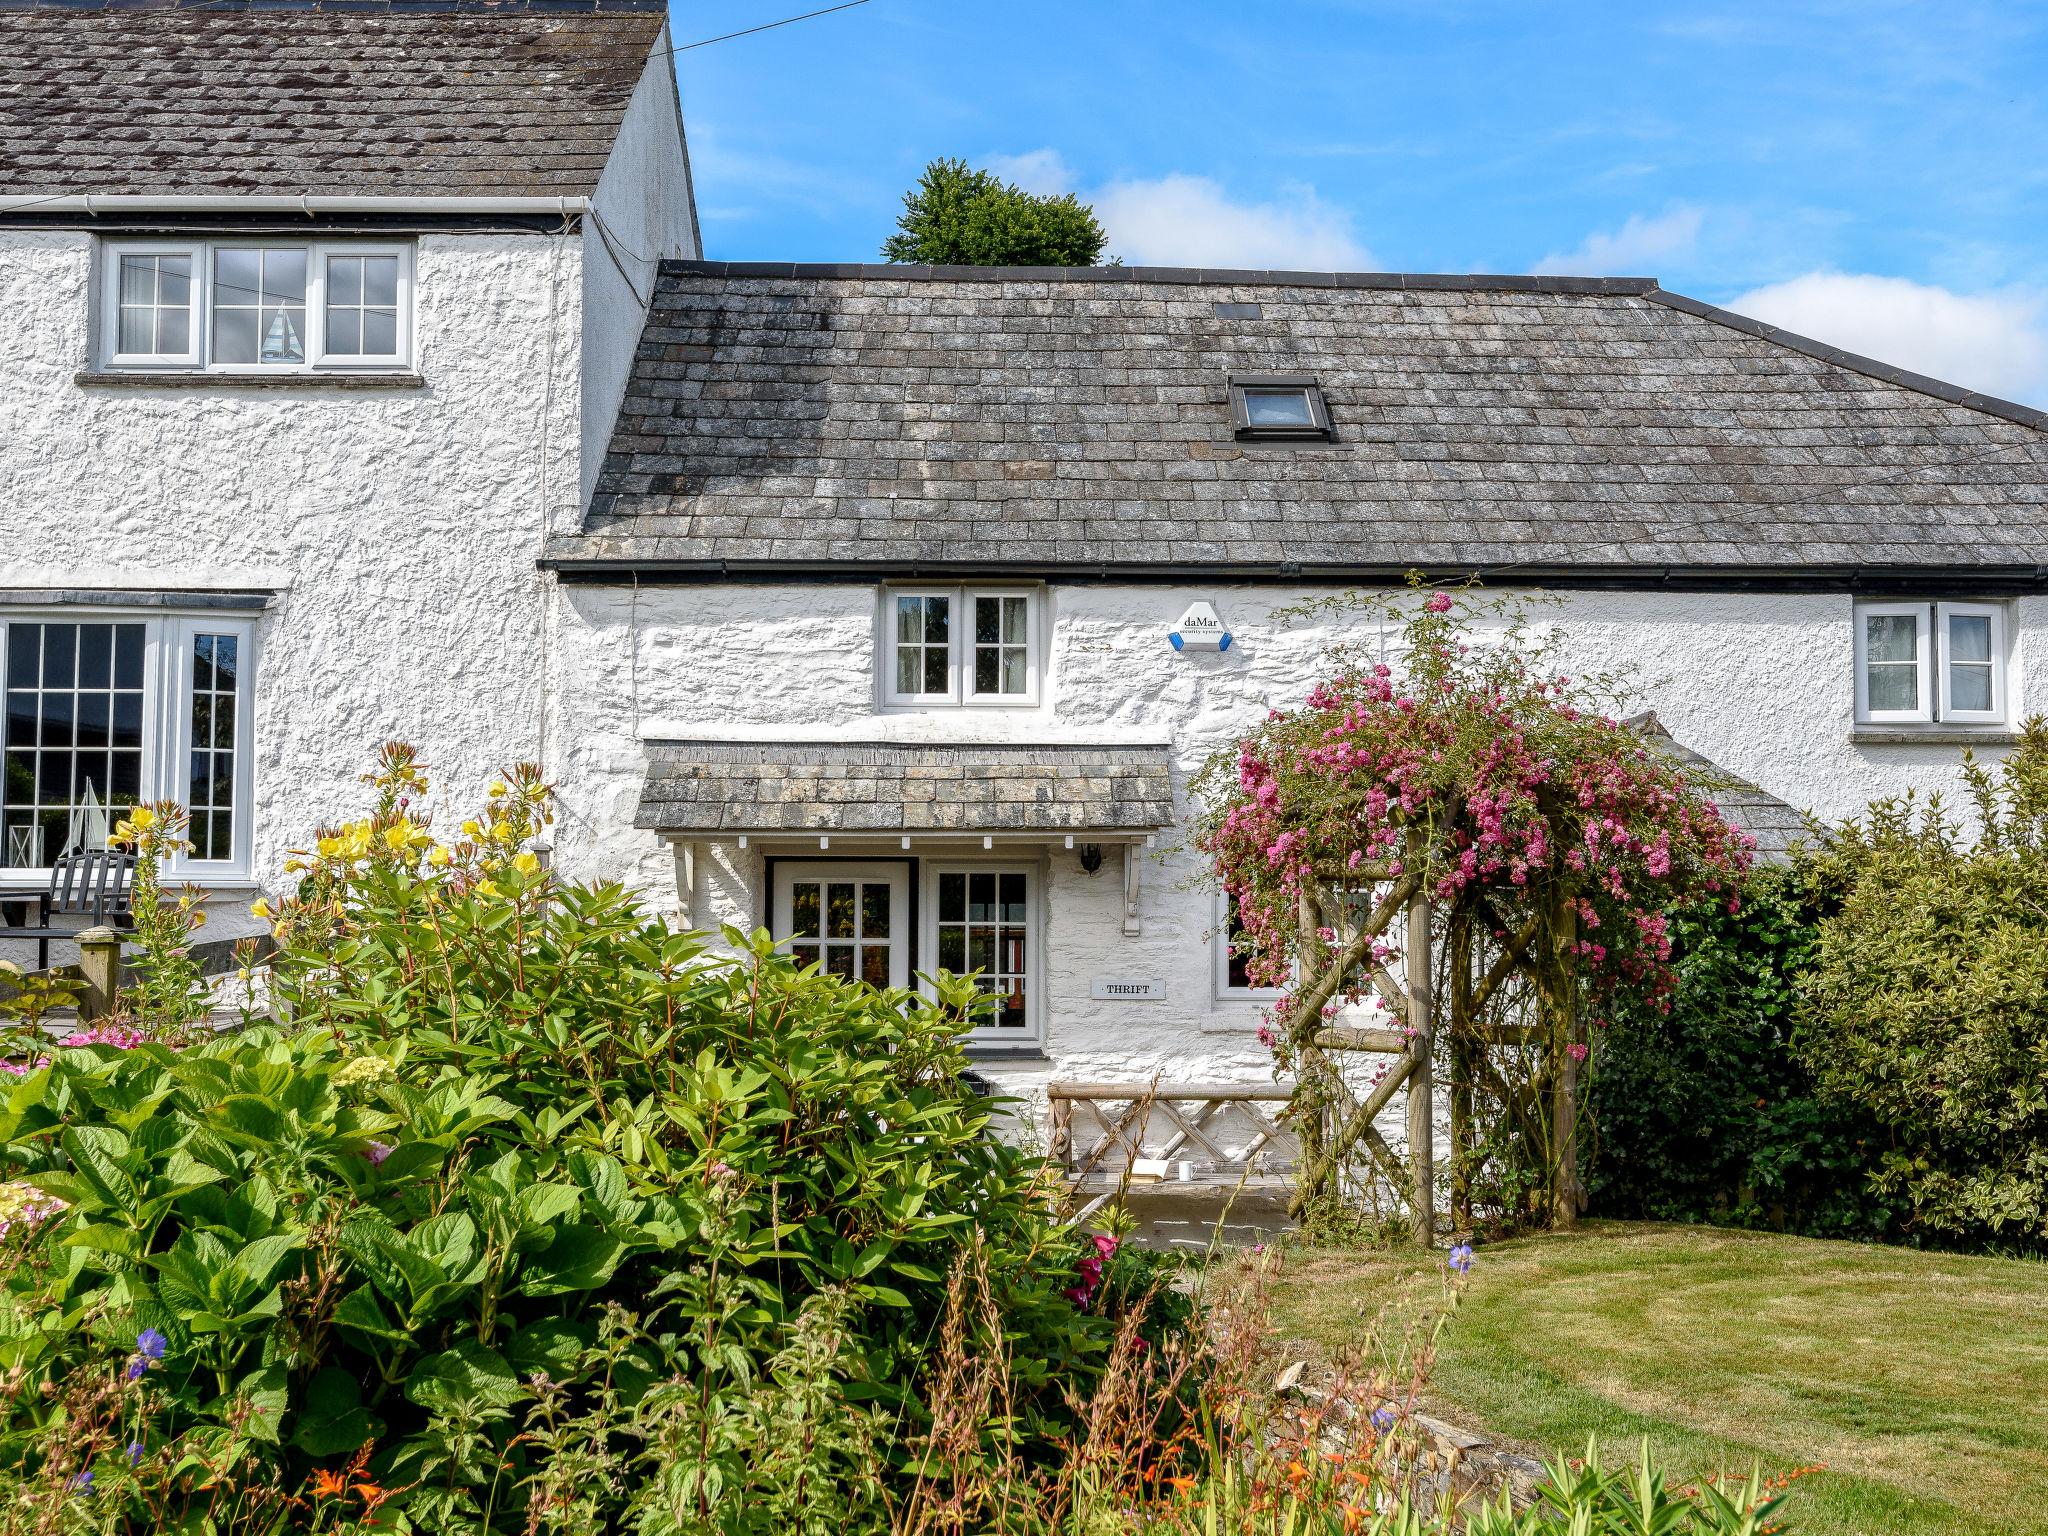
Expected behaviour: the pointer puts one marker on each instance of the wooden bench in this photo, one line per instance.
(97, 884)
(1235, 1135)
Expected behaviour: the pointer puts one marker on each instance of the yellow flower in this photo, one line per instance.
(143, 818)
(486, 889)
(497, 786)
(330, 847)
(439, 857)
(471, 829)
(398, 838)
(259, 908)
(501, 829)
(527, 865)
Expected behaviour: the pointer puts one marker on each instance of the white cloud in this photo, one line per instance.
(1040, 171)
(1190, 221)
(1996, 342)
(1631, 250)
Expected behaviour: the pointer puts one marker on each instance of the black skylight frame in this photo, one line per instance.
(1243, 384)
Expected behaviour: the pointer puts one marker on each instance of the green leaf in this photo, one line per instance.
(359, 1312)
(581, 1258)
(333, 1420)
(553, 1345)
(268, 1394)
(468, 1373)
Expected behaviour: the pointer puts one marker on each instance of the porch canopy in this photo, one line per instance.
(714, 791)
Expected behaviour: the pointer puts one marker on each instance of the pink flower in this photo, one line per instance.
(1439, 602)
(1576, 1050)
(376, 1152)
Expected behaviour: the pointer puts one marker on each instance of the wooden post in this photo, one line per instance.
(1564, 1093)
(99, 962)
(1461, 1025)
(1421, 1079)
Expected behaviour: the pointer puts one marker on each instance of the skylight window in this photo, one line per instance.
(1279, 407)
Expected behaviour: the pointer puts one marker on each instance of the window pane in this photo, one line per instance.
(907, 667)
(380, 332)
(953, 950)
(988, 669)
(952, 898)
(1278, 408)
(138, 331)
(1016, 615)
(380, 281)
(988, 620)
(1013, 898)
(237, 275)
(838, 910)
(909, 619)
(138, 280)
(1013, 672)
(981, 898)
(60, 655)
(1890, 637)
(344, 280)
(938, 616)
(219, 843)
(128, 656)
(874, 910)
(1969, 686)
(804, 954)
(224, 718)
(284, 277)
(174, 280)
(1969, 637)
(128, 719)
(202, 720)
(174, 331)
(24, 654)
(803, 909)
(95, 655)
(345, 331)
(1894, 687)
(283, 336)
(936, 668)
(874, 964)
(234, 335)
(95, 719)
(839, 960)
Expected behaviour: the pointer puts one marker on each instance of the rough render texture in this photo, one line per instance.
(398, 527)
(1761, 684)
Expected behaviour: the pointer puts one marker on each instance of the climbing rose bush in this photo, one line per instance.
(1494, 779)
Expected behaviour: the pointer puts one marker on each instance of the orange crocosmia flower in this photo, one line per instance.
(371, 1494)
(1296, 1471)
(327, 1484)
(1180, 1484)
(1354, 1517)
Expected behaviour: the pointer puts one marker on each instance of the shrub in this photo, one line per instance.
(1927, 1006)
(1704, 1112)
(534, 1212)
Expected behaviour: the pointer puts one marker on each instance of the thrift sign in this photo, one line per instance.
(1127, 989)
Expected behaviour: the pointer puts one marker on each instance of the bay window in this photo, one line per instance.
(257, 305)
(106, 711)
(1931, 664)
(955, 645)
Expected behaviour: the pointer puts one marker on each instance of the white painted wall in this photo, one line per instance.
(644, 202)
(400, 526)
(1762, 684)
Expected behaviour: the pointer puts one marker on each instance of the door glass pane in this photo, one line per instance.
(874, 910)
(953, 950)
(839, 960)
(874, 964)
(952, 897)
(839, 910)
(803, 909)
(804, 954)
(984, 928)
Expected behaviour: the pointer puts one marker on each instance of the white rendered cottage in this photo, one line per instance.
(844, 600)
(318, 320)
(896, 619)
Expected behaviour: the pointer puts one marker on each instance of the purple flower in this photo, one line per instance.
(82, 1483)
(1383, 1418)
(136, 1368)
(1460, 1258)
(134, 1453)
(376, 1152)
(151, 1344)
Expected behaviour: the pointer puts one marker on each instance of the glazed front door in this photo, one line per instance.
(851, 919)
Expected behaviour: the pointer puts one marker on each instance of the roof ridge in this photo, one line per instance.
(1854, 362)
(1423, 282)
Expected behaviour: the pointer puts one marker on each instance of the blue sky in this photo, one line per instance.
(1874, 173)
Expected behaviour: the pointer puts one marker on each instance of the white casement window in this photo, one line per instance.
(960, 645)
(1930, 663)
(257, 305)
(106, 711)
(984, 918)
(1233, 978)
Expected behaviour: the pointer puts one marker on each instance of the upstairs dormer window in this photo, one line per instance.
(257, 306)
(1278, 407)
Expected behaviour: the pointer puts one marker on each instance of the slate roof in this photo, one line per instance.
(1776, 825)
(795, 418)
(731, 787)
(505, 97)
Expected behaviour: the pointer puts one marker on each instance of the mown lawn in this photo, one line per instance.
(1921, 1380)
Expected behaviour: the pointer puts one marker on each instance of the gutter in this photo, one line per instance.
(91, 203)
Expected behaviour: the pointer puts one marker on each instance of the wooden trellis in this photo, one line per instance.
(1233, 1133)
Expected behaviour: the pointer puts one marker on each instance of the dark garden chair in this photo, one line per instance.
(96, 884)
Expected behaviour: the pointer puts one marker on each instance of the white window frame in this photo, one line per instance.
(1220, 944)
(960, 638)
(1921, 614)
(1932, 649)
(896, 876)
(167, 723)
(199, 357)
(1033, 871)
(1950, 715)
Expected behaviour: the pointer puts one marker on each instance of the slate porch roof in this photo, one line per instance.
(788, 419)
(725, 788)
(1776, 824)
(402, 98)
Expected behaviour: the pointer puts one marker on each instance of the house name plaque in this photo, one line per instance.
(1128, 989)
